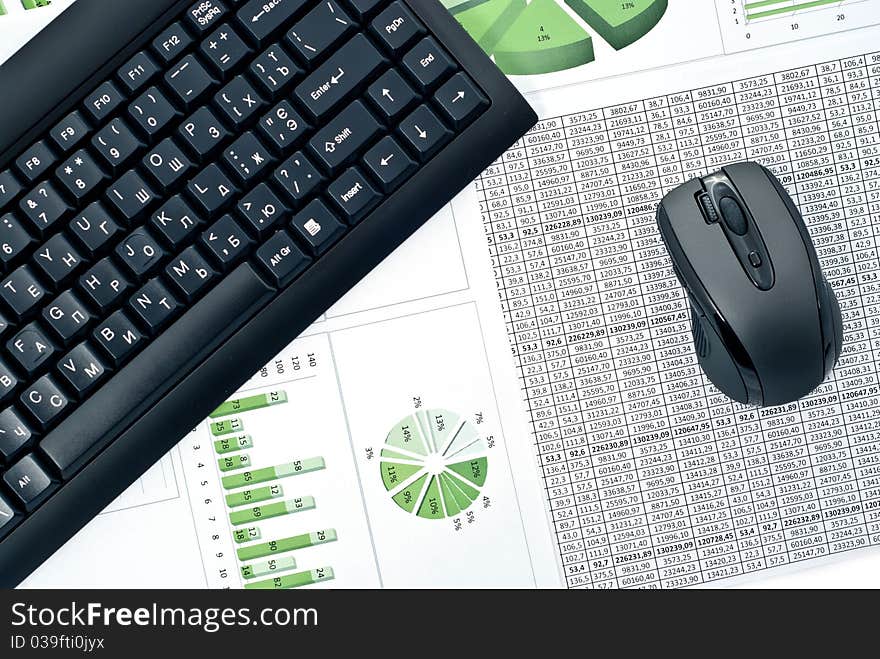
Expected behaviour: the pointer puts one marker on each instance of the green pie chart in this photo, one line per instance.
(434, 463)
(542, 36)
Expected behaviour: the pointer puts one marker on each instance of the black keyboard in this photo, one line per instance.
(185, 187)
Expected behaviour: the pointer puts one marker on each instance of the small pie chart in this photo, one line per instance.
(434, 463)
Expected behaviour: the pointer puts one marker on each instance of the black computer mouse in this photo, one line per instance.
(766, 324)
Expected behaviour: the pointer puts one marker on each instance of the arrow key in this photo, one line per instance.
(460, 100)
(424, 132)
(392, 95)
(389, 164)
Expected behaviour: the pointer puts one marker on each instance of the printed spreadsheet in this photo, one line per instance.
(654, 478)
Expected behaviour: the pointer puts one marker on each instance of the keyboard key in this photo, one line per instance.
(189, 81)
(321, 28)
(261, 210)
(460, 100)
(30, 348)
(28, 482)
(140, 253)
(392, 95)
(226, 241)
(203, 133)
(67, 317)
(8, 383)
(204, 15)
(14, 436)
(8, 518)
(171, 42)
(174, 222)
(154, 306)
(239, 101)
(424, 132)
(4, 325)
(101, 103)
(137, 71)
(274, 69)
(261, 19)
(247, 157)
(103, 284)
(68, 132)
(298, 177)
(316, 227)
(22, 291)
(44, 401)
(363, 8)
(428, 63)
(131, 196)
(9, 187)
(283, 126)
(396, 27)
(44, 207)
(282, 259)
(354, 195)
(81, 369)
(346, 71)
(94, 228)
(344, 136)
(190, 273)
(167, 164)
(117, 144)
(119, 338)
(224, 50)
(152, 112)
(57, 260)
(14, 240)
(212, 190)
(80, 174)
(389, 164)
(35, 161)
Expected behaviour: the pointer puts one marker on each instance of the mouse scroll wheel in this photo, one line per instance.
(733, 215)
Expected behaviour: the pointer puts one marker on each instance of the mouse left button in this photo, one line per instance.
(733, 215)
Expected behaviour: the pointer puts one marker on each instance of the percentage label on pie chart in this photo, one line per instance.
(434, 463)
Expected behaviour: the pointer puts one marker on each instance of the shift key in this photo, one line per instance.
(344, 135)
(349, 69)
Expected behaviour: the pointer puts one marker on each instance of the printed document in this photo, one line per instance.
(512, 399)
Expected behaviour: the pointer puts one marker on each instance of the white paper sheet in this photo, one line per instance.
(426, 333)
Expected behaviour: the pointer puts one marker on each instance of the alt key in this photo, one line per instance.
(282, 259)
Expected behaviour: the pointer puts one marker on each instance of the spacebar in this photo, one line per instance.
(163, 363)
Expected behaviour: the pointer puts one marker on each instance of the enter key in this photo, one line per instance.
(345, 136)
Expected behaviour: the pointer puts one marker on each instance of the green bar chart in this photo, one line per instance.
(772, 8)
(296, 580)
(254, 493)
(543, 36)
(250, 403)
(287, 544)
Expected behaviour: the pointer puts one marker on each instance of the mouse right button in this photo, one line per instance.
(733, 215)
